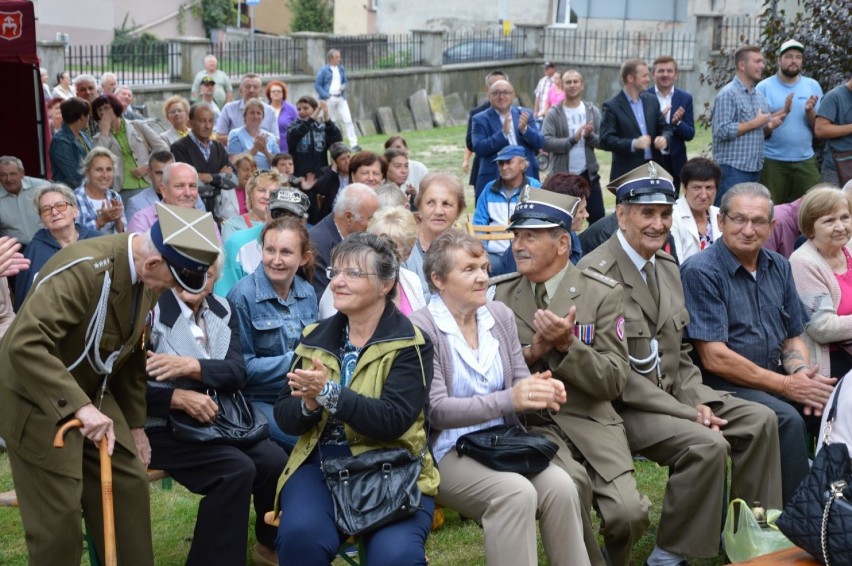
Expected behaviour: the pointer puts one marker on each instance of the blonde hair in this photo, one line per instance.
(398, 224)
(819, 201)
(254, 181)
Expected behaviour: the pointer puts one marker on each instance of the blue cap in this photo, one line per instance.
(649, 183)
(510, 151)
(539, 208)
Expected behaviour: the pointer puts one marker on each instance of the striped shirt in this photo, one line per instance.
(736, 104)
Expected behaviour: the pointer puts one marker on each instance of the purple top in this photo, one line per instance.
(288, 114)
(786, 231)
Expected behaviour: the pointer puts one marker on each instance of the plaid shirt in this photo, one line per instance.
(736, 104)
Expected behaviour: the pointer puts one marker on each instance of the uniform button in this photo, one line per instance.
(62, 402)
(641, 332)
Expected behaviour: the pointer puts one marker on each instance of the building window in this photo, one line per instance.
(563, 15)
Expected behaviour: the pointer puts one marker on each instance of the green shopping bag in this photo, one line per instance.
(745, 538)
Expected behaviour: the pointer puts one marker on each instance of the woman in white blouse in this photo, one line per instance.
(695, 221)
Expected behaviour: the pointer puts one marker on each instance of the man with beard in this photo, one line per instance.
(789, 165)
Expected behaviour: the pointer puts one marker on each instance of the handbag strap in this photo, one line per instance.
(836, 488)
(832, 413)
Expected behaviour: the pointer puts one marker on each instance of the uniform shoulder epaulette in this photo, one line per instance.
(497, 279)
(101, 264)
(597, 276)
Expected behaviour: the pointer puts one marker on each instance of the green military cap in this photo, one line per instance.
(649, 183)
(186, 238)
(539, 208)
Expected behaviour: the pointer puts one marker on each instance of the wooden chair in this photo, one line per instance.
(790, 557)
(490, 232)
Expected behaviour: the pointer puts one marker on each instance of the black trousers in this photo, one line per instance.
(227, 477)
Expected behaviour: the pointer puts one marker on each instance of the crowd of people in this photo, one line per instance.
(247, 251)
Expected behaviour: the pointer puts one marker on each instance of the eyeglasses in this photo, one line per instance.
(348, 273)
(742, 221)
(502, 92)
(60, 206)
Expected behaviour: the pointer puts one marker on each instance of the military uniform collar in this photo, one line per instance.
(634, 256)
(553, 283)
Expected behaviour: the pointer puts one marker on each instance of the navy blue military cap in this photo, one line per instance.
(647, 184)
(539, 208)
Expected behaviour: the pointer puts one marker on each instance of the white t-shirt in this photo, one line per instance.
(576, 118)
(334, 87)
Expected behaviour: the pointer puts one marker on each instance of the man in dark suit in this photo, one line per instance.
(632, 126)
(214, 158)
(500, 125)
(676, 107)
(490, 79)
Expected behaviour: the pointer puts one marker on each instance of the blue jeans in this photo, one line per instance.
(308, 535)
(732, 176)
(282, 439)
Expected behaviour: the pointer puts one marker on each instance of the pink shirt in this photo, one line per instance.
(845, 282)
(404, 305)
(241, 199)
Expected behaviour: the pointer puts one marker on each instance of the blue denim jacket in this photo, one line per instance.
(269, 330)
(323, 82)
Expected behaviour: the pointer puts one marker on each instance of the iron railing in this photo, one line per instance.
(739, 30)
(364, 52)
(269, 56)
(490, 45)
(605, 46)
(133, 64)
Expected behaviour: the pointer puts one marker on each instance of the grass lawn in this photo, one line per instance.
(458, 543)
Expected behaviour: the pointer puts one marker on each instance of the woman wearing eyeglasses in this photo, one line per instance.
(57, 208)
(274, 305)
(359, 382)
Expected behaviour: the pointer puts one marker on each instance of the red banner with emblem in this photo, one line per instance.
(17, 32)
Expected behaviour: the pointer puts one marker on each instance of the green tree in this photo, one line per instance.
(822, 26)
(216, 14)
(312, 15)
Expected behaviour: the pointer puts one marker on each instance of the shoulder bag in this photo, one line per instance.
(843, 164)
(237, 423)
(375, 488)
(508, 448)
(819, 516)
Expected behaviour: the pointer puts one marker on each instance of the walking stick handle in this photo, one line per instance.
(59, 439)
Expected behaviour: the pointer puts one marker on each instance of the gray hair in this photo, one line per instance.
(440, 258)
(108, 75)
(97, 151)
(755, 190)
(389, 195)
(12, 160)
(60, 188)
(398, 224)
(85, 78)
(374, 253)
(349, 199)
(120, 88)
(331, 53)
(167, 170)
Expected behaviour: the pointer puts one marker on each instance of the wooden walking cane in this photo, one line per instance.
(110, 558)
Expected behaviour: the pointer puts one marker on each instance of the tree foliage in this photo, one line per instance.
(312, 15)
(822, 26)
(216, 14)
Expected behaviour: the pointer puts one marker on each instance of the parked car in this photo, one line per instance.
(479, 50)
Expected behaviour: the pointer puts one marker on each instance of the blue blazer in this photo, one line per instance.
(683, 132)
(488, 140)
(619, 128)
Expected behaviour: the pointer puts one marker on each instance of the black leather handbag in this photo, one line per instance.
(373, 489)
(508, 448)
(236, 424)
(818, 518)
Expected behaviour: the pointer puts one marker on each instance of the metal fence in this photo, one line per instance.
(492, 45)
(264, 56)
(132, 64)
(739, 30)
(605, 46)
(363, 52)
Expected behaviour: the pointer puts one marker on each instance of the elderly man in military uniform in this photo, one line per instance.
(75, 350)
(570, 322)
(670, 416)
